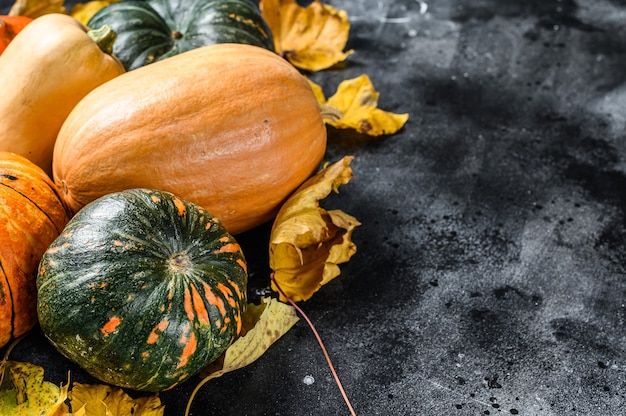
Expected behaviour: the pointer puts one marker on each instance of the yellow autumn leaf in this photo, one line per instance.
(317, 91)
(23, 391)
(263, 324)
(36, 8)
(355, 106)
(307, 242)
(104, 400)
(84, 11)
(312, 38)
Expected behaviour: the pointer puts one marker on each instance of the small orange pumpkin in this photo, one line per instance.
(31, 217)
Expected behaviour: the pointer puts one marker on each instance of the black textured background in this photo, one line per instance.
(490, 277)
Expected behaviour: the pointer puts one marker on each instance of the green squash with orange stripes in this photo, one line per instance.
(142, 289)
(152, 30)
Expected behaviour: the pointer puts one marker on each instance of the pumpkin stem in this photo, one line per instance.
(180, 263)
(330, 113)
(104, 37)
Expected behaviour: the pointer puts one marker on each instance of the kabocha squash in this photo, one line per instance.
(142, 289)
(31, 217)
(10, 26)
(233, 128)
(47, 68)
(151, 30)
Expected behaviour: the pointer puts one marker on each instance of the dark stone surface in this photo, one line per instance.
(490, 277)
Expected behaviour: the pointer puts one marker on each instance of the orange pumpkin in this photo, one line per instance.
(31, 217)
(9, 27)
(233, 128)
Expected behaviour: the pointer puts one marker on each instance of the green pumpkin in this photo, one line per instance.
(142, 289)
(151, 30)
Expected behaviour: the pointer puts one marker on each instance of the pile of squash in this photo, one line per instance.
(125, 180)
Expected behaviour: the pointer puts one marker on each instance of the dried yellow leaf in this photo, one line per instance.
(36, 8)
(104, 400)
(307, 243)
(263, 324)
(84, 11)
(23, 391)
(317, 91)
(355, 105)
(312, 38)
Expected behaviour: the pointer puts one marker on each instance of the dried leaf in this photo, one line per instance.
(36, 8)
(104, 400)
(307, 243)
(317, 91)
(355, 106)
(263, 325)
(312, 38)
(84, 11)
(23, 391)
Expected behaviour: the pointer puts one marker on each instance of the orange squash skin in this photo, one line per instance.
(233, 128)
(45, 70)
(31, 217)
(10, 26)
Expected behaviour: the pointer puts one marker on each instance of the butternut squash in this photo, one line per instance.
(9, 27)
(46, 69)
(233, 128)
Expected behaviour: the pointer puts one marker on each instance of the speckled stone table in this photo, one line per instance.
(491, 271)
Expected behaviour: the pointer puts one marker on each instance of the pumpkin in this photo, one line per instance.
(152, 30)
(47, 68)
(10, 26)
(142, 289)
(31, 217)
(233, 128)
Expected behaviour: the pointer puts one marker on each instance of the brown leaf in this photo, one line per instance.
(312, 38)
(307, 243)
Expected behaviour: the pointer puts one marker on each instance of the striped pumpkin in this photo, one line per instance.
(31, 217)
(142, 289)
(153, 30)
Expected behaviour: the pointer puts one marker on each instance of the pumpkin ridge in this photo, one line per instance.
(10, 295)
(39, 208)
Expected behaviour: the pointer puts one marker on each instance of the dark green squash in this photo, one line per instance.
(142, 289)
(151, 30)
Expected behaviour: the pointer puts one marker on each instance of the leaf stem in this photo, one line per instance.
(330, 113)
(6, 356)
(320, 342)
